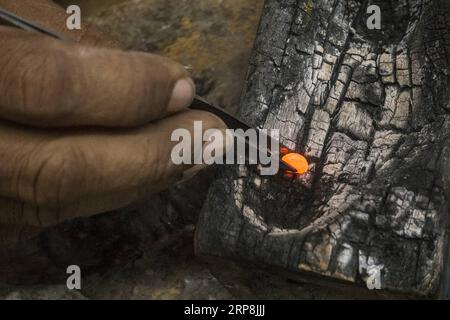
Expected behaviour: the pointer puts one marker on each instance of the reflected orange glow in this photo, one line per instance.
(296, 161)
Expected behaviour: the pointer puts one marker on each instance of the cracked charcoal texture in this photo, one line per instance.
(371, 110)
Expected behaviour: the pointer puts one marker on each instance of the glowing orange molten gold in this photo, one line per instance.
(296, 161)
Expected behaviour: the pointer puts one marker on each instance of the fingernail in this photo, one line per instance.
(182, 95)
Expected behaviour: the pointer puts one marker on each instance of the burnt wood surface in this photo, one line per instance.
(370, 109)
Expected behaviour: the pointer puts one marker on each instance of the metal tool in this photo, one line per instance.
(27, 25)
(198, 103)
(234, 123)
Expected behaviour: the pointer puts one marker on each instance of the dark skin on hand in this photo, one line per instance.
(84, 126)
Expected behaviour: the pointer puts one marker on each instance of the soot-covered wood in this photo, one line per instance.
(371, 110)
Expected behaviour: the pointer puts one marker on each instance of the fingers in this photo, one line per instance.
(14, 226)
(21, 221)
(50, 170)
(50, 83)
(16, 213)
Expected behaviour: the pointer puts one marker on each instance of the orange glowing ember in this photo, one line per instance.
(296, 161)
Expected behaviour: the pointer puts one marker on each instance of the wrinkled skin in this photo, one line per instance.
(84, 127)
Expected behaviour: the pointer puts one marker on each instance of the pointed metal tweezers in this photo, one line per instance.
(198, 103)
(234, 123)
(27, 25)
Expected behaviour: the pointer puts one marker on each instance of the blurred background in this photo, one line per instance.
(213, 37)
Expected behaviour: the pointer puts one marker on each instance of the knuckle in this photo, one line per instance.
(60, 175)
(157, 162)
(43, 86)
(34, 82)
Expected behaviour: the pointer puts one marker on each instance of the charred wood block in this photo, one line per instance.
(370, 108)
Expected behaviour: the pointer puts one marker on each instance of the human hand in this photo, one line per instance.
(83, 129)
